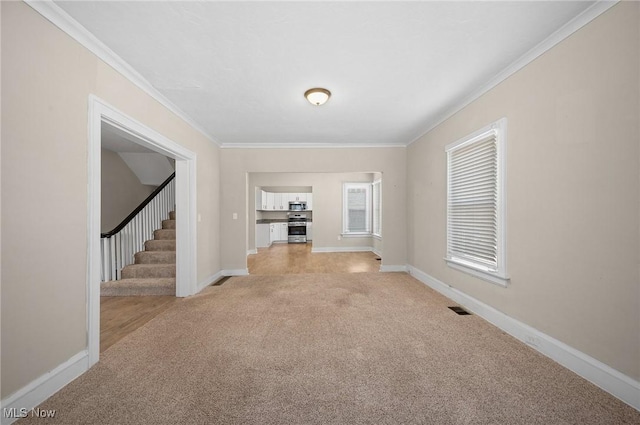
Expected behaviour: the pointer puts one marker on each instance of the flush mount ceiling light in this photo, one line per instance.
(317, 96)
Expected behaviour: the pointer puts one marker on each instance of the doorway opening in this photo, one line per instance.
(102, 114)
(275, 200)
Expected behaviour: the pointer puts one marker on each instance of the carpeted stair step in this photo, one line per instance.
(149, 271)
(160, 245)
(164, 234)
(155, 257)
(138, 287)
(154, 270)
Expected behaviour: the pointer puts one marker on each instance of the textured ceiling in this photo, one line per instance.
(239, 69)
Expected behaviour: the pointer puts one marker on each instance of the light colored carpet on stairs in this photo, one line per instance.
(154, 269)
(363, 348)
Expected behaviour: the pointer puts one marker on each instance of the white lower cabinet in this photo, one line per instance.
(284, 232)
(272, 235)
(309, 231)
(263, 238)
(279, 232)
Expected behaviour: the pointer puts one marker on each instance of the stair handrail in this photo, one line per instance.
(138, 208)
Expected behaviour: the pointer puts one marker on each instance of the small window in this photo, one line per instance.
(357, 209)
(376, 189)
(475, 203)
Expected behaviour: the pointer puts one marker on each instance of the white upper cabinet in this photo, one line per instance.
(262, 205)
(271, 203)
(281, 201)
(268, 201)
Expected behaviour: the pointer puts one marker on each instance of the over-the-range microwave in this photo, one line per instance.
(297, 206)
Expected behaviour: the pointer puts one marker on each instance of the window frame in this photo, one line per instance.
(345, 211)
(498, 275)
(376, 232)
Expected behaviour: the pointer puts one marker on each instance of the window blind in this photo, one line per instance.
(357, 209)
(473, 203)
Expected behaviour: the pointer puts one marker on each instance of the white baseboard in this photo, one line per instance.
(616, 383)
(252, 251)
(45, 386)
(342, 249)
(208, 281)
(235, 272)
(391, 268)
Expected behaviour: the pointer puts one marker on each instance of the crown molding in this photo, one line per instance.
(559, 35)
(70, 26)
(58, 17)
(309, 145)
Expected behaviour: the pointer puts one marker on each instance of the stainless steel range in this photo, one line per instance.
(297, 228)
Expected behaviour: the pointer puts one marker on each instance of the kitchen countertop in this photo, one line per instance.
(276, 220)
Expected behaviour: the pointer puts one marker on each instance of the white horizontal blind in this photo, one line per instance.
(473, 203)
(357, 210)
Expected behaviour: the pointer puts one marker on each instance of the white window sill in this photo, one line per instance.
(356, 235)
(482, 274)
(378, 237)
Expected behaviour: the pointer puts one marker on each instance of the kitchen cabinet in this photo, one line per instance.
(282, 201)
(269, 201)
(309, 201)
(297, 197)
(278, 201)
(261, 199)
(309, 231)
(279, 232)
(263, 239)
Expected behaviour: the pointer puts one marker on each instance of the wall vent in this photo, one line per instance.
(459, 310)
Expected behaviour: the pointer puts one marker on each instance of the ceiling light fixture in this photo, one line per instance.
(317, 96)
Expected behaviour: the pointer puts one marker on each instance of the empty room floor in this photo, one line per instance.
(298, 258)
(119, 316)
(341, 348)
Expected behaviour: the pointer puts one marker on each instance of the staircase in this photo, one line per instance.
(154, 269)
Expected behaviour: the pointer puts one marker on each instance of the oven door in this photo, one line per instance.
(297, 232)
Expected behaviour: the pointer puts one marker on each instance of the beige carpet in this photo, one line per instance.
(364, 348)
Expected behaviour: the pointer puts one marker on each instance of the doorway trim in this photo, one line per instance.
(185, 160)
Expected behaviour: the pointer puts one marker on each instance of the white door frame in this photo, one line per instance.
(99, 112)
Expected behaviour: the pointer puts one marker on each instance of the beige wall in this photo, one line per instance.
(46, 80)
(572, 192)
(236, 164)
(327, 204)
(121, 190)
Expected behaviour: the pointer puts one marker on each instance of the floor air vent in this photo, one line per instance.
(459, 310)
